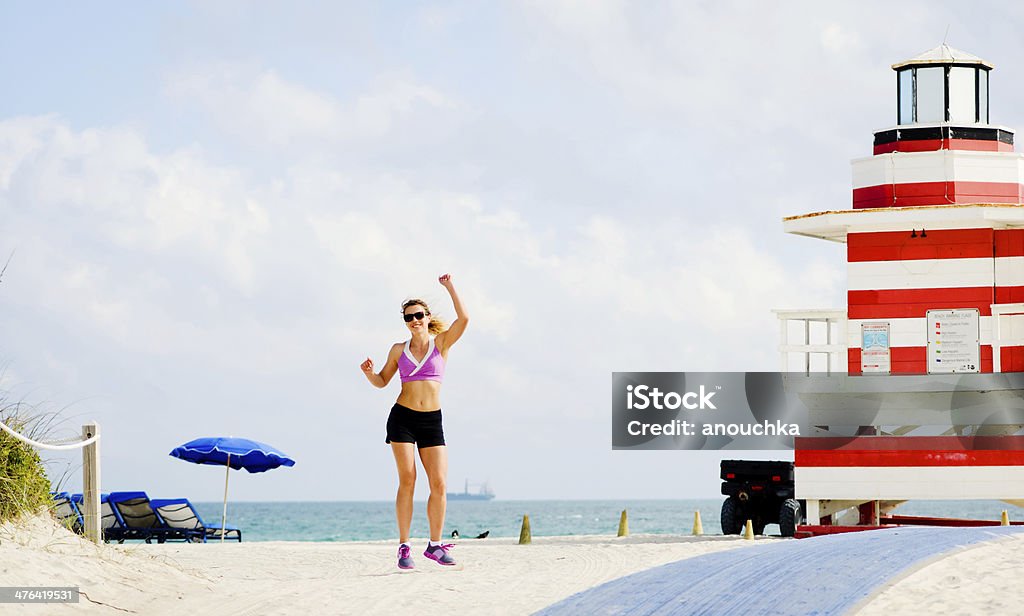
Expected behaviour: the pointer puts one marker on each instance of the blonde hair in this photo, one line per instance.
(436, 325)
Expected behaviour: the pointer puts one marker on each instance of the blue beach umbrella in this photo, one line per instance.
(232, 453)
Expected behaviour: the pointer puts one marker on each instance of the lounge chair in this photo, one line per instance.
(67, 512)
(140, 521)
(179, 513)
(110, 526)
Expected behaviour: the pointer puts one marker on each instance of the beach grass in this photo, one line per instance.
(24, 486)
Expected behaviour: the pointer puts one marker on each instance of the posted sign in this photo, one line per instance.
(953, 341)
(874, 348)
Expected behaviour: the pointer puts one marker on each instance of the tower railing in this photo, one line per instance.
(831, 345)
(1007, 331)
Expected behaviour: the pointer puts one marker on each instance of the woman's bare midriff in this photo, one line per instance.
(421, 395)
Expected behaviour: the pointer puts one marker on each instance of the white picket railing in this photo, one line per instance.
(832, 347)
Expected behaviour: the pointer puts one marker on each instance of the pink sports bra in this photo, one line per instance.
(430, 369)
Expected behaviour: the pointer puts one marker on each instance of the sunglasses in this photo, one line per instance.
(414, 315)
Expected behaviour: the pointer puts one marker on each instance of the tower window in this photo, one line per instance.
(905, 87)
(931, 97)
(962, 94)
(946, 93)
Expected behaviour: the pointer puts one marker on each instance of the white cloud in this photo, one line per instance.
(188, 233)
(700, 63)
(261, 107)
(19, 138)
(675, 270)
(108, 185)
(837, 39)
(150, 270)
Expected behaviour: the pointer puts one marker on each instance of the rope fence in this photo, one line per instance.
(57, 446)
(88, 442)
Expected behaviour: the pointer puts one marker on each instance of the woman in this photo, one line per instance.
(415, 420)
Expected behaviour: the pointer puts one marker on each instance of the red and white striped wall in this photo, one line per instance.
(939, 177)
(908, 467)
(896, 277)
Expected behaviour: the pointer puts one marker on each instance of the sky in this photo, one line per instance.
(214, 211)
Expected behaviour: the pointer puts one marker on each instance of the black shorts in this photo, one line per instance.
(421, 427)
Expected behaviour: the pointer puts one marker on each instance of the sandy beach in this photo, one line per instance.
(498, 577)
(979, 580)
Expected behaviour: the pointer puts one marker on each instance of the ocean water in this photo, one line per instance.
(367, 521)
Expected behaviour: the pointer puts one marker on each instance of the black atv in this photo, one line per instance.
(760, 491)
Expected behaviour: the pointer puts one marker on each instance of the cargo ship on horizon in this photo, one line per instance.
(483, 494)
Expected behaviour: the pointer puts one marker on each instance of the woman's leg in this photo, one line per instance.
(405, 460)
(435, 462)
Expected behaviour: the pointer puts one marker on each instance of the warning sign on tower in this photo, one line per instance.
(953, 341)
(874, 348)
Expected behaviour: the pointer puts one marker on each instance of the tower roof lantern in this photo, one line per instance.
(944, 54)
(942, 85)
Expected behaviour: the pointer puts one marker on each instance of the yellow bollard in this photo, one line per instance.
(623, 525)
(1005, 521)
(524, 533)
(748, 532)
(698, 528)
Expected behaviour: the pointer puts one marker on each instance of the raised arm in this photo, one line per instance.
(382, 378)
(447, 338)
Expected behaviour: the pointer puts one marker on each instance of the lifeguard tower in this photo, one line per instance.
(932, 337)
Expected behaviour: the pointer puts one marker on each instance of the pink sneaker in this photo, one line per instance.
(439, 554)
(405, 557)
